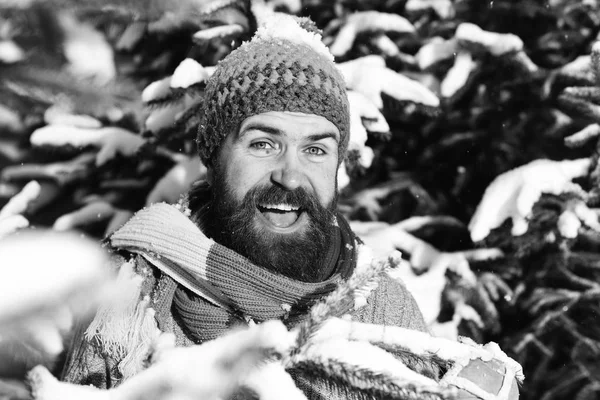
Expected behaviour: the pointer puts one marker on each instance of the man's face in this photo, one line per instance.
(274, 188)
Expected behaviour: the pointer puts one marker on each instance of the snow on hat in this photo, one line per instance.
(283, 68)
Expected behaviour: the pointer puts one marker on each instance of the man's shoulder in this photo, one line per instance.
(388, 285)
(390, 302)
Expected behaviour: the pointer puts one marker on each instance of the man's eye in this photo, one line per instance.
(315, 151)
(261, 146)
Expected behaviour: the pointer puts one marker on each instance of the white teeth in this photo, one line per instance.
(280, 207)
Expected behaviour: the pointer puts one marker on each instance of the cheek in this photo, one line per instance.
(324, 182)
(241, 177)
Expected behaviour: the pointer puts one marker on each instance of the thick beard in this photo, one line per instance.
(301, 257)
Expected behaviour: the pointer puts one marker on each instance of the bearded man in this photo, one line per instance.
(261, 238)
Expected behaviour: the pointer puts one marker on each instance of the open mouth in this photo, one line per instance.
(280, 215)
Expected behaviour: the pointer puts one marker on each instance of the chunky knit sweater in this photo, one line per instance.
(94, 359)
(389, 304)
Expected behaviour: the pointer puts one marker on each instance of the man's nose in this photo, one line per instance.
(288, 173)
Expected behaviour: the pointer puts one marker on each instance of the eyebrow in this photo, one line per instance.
(275, 131)
(254, 126)
(324, 135)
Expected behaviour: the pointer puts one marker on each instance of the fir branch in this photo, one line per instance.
(186, 126)
(582, 137)
(590, 391)
(215, 13)
(184, 129)
(339, 302)
(50, 86)
(353, 166)
(420, 344)
(595, 62)
(394, 109)
(175, 95)
(215, 7)
(149, 10)
(556, 81)
(172, 98)
(542, 298)
(585, 261)
(588, 93)
(578, 106)
(364, 383)
(190, 119)
(430, 365)
(37, 29)
(566, 384)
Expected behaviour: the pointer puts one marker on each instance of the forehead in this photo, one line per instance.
(290, 122)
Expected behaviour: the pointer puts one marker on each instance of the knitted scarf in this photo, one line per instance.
(218, 287)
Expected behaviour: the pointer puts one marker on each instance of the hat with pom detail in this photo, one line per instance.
(285, 67)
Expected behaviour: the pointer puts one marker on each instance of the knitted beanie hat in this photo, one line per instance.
(283, 68)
